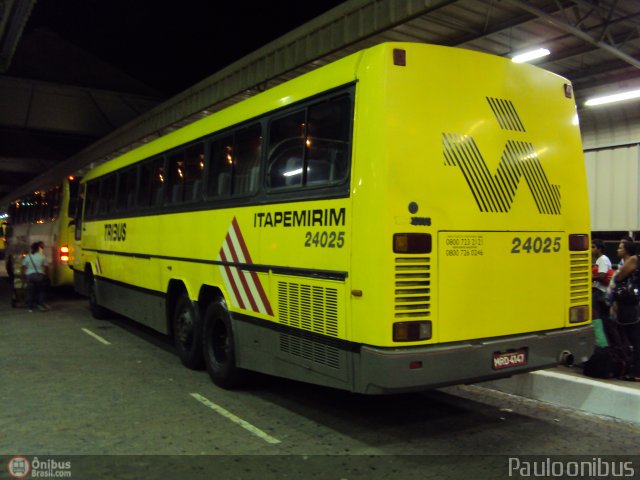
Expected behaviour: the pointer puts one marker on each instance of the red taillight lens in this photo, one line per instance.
(578, 242)
(64, 253)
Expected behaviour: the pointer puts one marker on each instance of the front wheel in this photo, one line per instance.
(219, 347)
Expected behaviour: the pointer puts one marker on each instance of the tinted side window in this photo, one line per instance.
(220, 167)
(151, 180)
(53, 198)
(246, 160)
(193, 168)
(91, 202)
(127, 189)
(108, 194)
(74, 188)
(235, 163)
(41, 210)
(175, 178)
(184, 183)
(311, 148)
(286, 151)
(327, 142)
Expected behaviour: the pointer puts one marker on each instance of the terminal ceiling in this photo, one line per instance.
(593, 43)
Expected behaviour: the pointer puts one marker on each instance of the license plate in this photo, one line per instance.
(514, 358)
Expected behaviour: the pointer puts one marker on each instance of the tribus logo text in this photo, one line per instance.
(115, 232)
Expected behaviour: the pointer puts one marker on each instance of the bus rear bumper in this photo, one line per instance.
(395, 370)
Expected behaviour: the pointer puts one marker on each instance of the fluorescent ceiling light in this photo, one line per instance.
(531, 55)
(291, 173)
(617, 97)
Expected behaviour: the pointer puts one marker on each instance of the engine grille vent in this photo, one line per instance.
(580, 278)
(308, 307)
(308, 349)
(412, 288)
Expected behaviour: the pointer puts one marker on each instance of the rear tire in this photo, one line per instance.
(219, 347)
(187, 333)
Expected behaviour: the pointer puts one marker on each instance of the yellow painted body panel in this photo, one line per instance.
(410, 124)
(404, 115)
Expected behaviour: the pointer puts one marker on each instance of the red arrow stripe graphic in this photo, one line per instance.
(245, 286)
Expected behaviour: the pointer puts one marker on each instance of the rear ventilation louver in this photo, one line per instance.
(580, 278)
(307, 307)
(310, 350)
(311, 309)
(412, 288)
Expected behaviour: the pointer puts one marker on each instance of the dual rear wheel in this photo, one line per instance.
(207, 341)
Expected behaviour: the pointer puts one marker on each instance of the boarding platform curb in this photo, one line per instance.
(569, 388)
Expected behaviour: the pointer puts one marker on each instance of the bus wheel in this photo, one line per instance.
(218, 347)
(97, 311)
(187, 333)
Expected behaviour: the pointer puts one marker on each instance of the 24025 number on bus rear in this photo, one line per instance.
(535, 245)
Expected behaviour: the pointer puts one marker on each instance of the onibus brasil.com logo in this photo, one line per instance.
(21, 467)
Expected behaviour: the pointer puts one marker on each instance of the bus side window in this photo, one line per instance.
(328, 133)
(185, 175)
(174, 191)
(311, 147)
(151, 181)
(91, 201)
(79, 213)
(127, 189)
(108, 194)
(49, 205)
(246, 160)
(193, 168)
(39, 203)
(220, 167)
(286, 151)
(74, 197)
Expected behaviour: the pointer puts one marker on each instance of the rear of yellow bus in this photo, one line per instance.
(471, 168)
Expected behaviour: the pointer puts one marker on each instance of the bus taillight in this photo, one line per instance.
(411, 331)
(579, 314)
(412, 243)
(578, 242)
(64, 253)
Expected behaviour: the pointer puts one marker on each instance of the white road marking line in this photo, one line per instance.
(96, 336)
(244, 424)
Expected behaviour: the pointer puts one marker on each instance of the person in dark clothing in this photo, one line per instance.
(35, 269)
(626, 316)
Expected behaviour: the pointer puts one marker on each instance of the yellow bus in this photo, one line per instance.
(407, 217)
(46, 215)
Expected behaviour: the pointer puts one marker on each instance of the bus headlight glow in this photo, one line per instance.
(412, 243)
(579, 314)
(411, 331)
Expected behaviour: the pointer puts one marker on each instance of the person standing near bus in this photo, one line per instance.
(627, 316)
(601, 267)
(35, 267)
